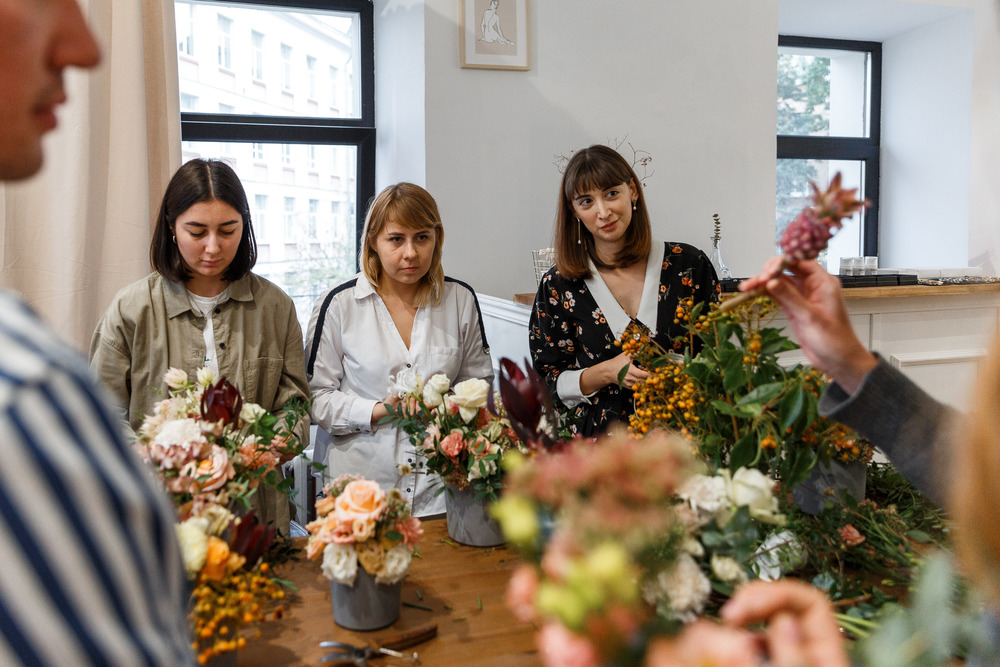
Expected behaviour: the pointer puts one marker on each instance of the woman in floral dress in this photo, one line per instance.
(609, 273)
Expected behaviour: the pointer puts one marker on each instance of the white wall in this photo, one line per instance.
(926, 144)
(691, 83)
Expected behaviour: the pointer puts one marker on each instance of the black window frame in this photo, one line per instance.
(358, 132)
(863, 149)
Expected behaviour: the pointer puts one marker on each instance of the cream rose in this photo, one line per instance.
(340, 563)
(395, 565)
(706, 495)
(207, 377)
(728, 569)
(361, 499)
(194, 544)
(251, 412)
(469, 396)
(754, 489)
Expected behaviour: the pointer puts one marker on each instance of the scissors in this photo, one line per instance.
(392, 646)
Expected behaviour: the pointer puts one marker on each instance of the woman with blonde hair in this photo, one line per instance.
(401, 315)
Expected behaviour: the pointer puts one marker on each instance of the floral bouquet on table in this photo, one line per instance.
(451, 426)
(359, 523)
(623, 539)
(211, 451)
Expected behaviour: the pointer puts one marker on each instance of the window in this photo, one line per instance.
(289, 153)
(257, 55)
(286, 67)
(185, 29)
(829, 100)
(311, 72)
(260, 218)
(225, 42)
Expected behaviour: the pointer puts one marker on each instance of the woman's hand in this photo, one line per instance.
(389, 403)
(800, 628)
(606, 372)
(812, 302)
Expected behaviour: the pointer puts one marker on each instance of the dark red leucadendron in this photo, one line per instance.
(221, 402)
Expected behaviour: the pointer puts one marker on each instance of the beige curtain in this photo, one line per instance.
(79, 231)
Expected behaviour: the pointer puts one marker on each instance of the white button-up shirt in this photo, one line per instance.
(353, 351)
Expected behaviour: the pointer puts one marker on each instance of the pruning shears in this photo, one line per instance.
(349, 654)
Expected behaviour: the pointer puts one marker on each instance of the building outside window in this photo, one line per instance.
(829, 100)
(257, 55)
(185, 30)
(282, 146)
(311, 73)
(225, 42)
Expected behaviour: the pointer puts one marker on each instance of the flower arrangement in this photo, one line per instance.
(623, 536)
(360, 524)
(211, 451)
(460, 438)
(738, 403)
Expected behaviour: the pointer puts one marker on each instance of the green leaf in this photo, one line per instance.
(734, 375)
(621, 375)
(741, 411)
(744, 451)
(791, 407)
(762, 394)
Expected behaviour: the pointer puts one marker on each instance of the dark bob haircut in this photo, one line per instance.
(598, 167)
(195, 182)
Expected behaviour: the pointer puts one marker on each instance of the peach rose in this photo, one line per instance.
(360, 499)
(521, 592)
(217, 467)
(453, 444)
(410, 529)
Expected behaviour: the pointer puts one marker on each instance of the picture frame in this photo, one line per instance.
(493, 34)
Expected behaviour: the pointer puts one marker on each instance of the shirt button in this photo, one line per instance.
(409, 460)
(222, 346)
(218, 310)
(408, 365)
(407, 490)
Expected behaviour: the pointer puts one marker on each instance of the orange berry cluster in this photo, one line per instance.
(667, 397)
(222, 608)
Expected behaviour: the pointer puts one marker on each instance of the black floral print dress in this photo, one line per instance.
(575, 323)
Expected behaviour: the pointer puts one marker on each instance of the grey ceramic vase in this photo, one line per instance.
(469, 520)
(366, 605)
(827, 482)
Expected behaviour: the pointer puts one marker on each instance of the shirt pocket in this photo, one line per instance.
(261, 378)
(447, 360)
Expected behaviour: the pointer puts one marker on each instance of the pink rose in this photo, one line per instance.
(410, 529)
(217, 467)
(850, 535)
(360, 499)
(433, 433)
(521, 592)
(453, 444)
(561, 648)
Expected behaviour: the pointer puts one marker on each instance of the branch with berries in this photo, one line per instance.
(807, 236)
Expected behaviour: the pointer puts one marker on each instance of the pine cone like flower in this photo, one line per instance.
(807, 235)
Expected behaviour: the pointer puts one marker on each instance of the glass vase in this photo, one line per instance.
(721, 270)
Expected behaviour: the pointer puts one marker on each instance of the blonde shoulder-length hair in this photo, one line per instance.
(412, 207)
(974, 495)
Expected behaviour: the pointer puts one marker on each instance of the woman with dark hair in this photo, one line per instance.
(609, 272)
(399, 317)
(202, 307)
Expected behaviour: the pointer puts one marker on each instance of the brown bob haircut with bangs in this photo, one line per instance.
(597, 168)
(412, 207)
(195, 182)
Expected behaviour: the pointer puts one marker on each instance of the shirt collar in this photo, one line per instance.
(614, 314)
(175, 295)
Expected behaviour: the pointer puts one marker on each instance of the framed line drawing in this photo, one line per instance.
(493, 34)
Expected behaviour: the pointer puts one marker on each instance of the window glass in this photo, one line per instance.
(246, 36)
(823, 92)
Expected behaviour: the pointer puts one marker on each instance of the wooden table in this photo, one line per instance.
(450, 578)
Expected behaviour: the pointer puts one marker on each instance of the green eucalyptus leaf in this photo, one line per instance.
(762, 394)
(744, 451)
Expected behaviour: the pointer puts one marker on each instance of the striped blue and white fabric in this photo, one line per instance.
(90, 570)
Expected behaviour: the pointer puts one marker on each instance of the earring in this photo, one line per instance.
(175, 239)
(633, 204)
(579, 231)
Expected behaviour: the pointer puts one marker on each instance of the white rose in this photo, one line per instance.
(476, 473)
(194, 544)
(207, 377)
(340, 563)
(184, 432)
(693, 547)
(395, 565)
(469, 396)
(684, 587)
(754, 489)
(779, 553)
(432, 398)
(439, 382)
(251, 412)
(706, 495)
(175, 378)
(728, 569)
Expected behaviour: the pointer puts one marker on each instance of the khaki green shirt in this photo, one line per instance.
(151, 326)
